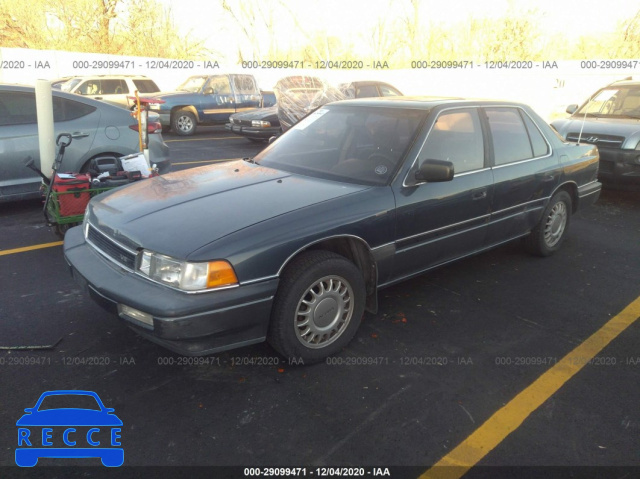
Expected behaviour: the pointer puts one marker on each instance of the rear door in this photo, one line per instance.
(246, 93)
(525, 172)
(19, 138)
(438, 222)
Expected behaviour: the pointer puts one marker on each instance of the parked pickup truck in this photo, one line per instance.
(205, 100)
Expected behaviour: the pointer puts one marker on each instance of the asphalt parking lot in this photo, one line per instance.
(469, 355)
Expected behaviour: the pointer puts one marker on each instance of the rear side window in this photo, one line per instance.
(244, 84)
(389, 91)
(146, 86)
(510, 138)
(538, 143)
(456, 136)
(113, 87)
(366, 91)
(65, 110)
(17, 108)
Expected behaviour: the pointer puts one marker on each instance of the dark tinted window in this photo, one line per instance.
(17, 108)
(540, 147)
(65, 110)
(456, 137)
(146, 86)
(113, 87)
(510, 138)
(268, 99)
(69, 401)
(366, 91)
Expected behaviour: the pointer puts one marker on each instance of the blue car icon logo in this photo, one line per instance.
(69, 424)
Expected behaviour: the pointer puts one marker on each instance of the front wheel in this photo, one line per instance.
(183, 122)
(547, 237)
(318, 307)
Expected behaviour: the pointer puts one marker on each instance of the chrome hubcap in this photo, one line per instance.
(555, 225)
(324, 312)
(185, 123)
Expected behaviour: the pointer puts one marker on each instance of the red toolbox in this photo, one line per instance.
(72, 191)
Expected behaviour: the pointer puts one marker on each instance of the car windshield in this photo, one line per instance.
(193, 84)
(69, 401)
(619, 102)
(363, 145)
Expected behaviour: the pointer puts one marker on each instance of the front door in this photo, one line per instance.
(438, 222)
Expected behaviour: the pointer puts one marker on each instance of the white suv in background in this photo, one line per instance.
(111, 88)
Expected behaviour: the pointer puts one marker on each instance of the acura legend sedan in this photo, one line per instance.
(293, 245)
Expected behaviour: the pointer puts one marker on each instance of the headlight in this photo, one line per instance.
(260, 123)
(185, 275)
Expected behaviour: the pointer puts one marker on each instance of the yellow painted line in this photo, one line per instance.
(203, 139)
(484, 439)
(205, 161)
(31, 248)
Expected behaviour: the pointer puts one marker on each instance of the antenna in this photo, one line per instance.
(584, 117)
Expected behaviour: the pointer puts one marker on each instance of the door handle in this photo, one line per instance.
(79, 134)
(479, 195)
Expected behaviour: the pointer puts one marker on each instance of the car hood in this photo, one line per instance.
(268, 114)
(178, 213)
(69, 417)
(620, 127)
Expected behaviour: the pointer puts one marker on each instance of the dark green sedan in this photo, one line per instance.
(293, 245)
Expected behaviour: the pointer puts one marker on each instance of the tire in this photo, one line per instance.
(547, 237)
(257, 140)
(183, 122)
(318, 282)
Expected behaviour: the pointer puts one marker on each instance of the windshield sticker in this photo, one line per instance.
(381, 169)
(302, 124)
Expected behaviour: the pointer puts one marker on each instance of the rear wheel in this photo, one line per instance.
(318, 307)
(547, 237)
(183, 122)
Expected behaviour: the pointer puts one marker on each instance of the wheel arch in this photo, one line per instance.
(356, 250)
(191, 108)
(572, 188)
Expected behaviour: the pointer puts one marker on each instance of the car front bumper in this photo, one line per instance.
(619, 166)
(189, 324)
(253, 132)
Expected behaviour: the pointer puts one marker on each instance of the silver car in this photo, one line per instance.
(98, 129)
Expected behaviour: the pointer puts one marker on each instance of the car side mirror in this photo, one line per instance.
(435, 171)
(109, 410)
(29, 410)
(571, 109)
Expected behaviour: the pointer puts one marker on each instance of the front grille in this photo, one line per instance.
(606, 141)
(110, 248)
(244, 122)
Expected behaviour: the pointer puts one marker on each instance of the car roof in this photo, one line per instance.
(424, 102)
(63, 94)
(625, 83)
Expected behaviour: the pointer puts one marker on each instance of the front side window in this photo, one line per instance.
(389, 91)
(366, 91)
(90, 87)
(113, 87)
(510, 138)
(456, 136)
(363, 145)
(17, 108)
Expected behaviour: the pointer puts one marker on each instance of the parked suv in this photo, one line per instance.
(206, 99)
(111, 88)
(610, 119)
